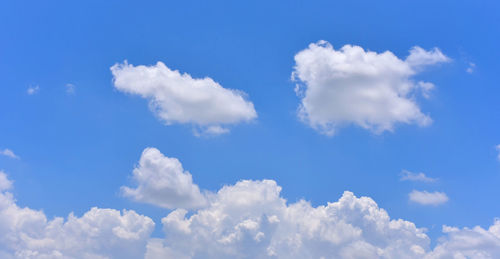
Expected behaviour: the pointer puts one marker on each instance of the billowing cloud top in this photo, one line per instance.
(162, 181)
(246, 220)
(365, 88)
(179, 98)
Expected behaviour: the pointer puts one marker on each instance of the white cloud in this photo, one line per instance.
(417, 177)
(162, 181)
(179, 98)
(5, 183)
(469, 243)
(428, 198)
(365, 88)
(33, 90)
(498, 149)
(99, 233)
(9, 153)
(470, 69)
(70, 89)
(246, 220)
(251, 220)
(420, 57)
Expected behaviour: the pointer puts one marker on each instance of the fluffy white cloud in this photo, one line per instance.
(163, 182)
(365, 88)
(469, 243)
(99, 233)
(179, 98)
(428, 198)
(9, 153)
(251, 220)
(246, 220)
(416, 177)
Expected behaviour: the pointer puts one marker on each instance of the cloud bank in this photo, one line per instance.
(249, 219)
(353, 86)
(179, 98)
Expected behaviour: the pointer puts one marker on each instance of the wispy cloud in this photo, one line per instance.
(415, 177)
(33, 90)
(70, 89)
(498, 149)
(471, 68)
(9, 153)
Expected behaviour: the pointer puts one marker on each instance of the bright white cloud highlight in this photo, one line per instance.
(428, 198)
(99, 233)
(415, 177)
(33, 90)
(179, 98)
(162, 181)
(251, 220)
(9, 153)
(353, 86)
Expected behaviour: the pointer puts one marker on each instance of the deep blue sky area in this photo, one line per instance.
(77, 149)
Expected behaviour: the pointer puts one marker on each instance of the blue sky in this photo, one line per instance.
(77, 149)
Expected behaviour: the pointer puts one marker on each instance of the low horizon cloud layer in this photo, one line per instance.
(178, 98)
(353, 86)
(249, 219)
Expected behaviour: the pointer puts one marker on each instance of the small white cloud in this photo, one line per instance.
(364, 88)
(420, 57)
(9, 153)
(33, 90)
(162, 181)
(179, 98)
(498, 149)
(416, 177)
(428, 198)
(70, 89)
(471, 68)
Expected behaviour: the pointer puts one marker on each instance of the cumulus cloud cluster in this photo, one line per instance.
(179, 98)
(354, 86)
(99, 233)
(249, 219)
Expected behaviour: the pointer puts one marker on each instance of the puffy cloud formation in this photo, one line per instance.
(246, 220)
(415, 177)
(99, 233)
(179, 98)
(469, 243)
(251, 220)
(428, 198)
(365, 88)
(162, 181)
(9, 153)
